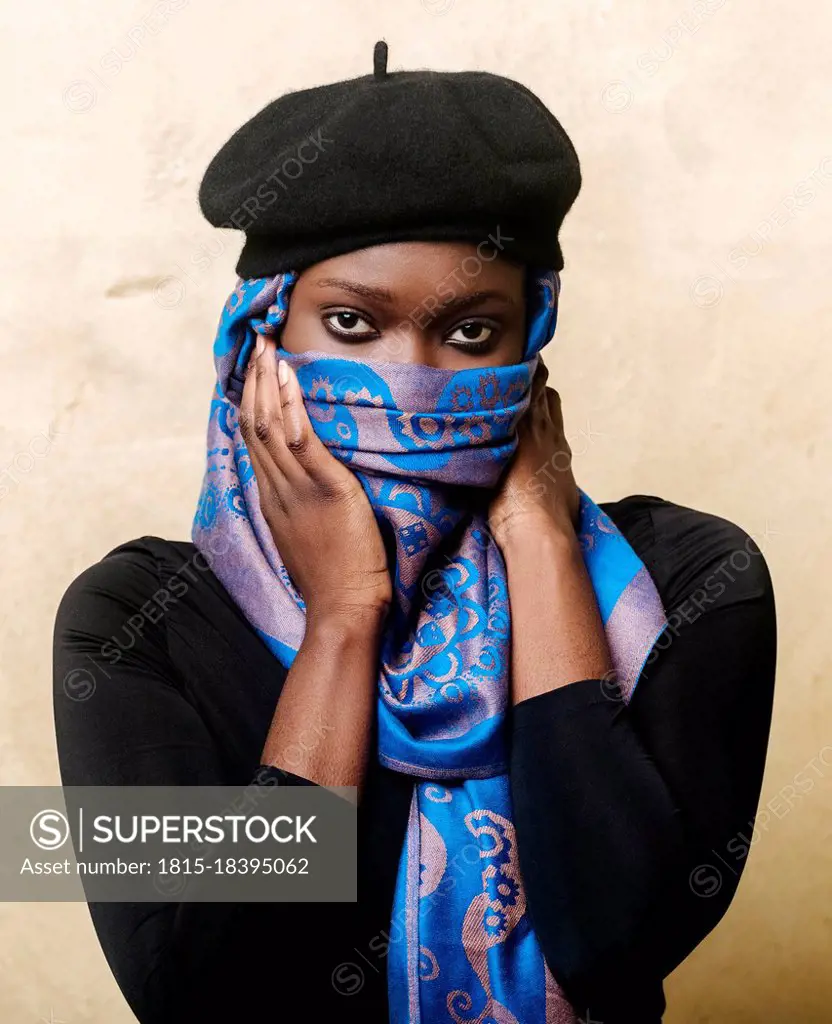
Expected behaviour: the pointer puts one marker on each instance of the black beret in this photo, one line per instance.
(394, 156)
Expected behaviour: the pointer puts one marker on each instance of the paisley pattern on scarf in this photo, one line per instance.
(428, 447)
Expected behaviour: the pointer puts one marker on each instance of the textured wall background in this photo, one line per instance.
(692, 352)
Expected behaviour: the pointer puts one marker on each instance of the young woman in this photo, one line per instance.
(555, 713)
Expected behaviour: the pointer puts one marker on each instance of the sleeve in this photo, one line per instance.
(271, 775)
(634, 821)
(128, 723)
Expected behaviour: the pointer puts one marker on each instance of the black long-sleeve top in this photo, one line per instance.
(633, 822)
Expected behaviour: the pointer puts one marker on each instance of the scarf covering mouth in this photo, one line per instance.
(428, 447)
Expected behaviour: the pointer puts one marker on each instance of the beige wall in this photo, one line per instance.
(693, 350)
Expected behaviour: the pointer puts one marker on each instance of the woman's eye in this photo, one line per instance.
(474, 333)
(349, 323)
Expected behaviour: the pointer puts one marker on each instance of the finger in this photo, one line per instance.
(269, 484)
(267, 476)
(267, 355)
(253, 426)
(555, 408)
(299, 437)
(268, 418)
(541, 375)
(246, 413)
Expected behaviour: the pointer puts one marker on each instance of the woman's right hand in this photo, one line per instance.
(317, 511)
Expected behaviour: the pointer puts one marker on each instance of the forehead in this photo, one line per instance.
(405, 269)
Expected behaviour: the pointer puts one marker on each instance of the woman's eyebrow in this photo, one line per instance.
(366, 291)
(465, 301)
(431, 302)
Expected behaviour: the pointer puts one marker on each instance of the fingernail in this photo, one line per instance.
(260, 344)
(283, 372)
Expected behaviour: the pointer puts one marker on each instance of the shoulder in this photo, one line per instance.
(685, 549)
(121, 582)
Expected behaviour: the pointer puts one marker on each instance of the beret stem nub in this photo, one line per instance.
(380, 60)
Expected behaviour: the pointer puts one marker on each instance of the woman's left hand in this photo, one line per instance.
(538, 489)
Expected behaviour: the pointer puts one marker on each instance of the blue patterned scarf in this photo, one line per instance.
(427, 445)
